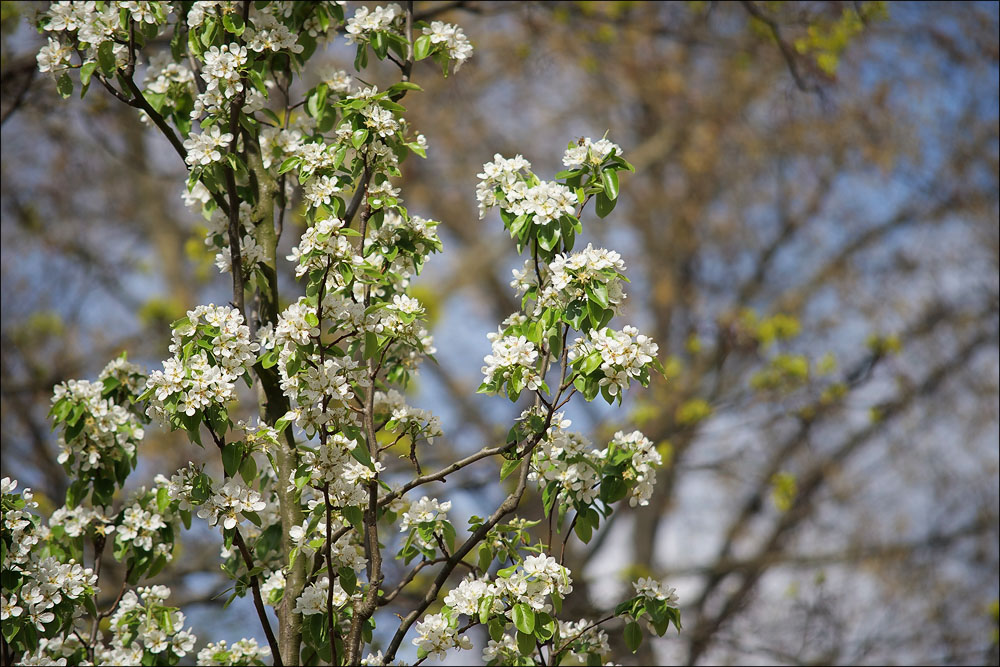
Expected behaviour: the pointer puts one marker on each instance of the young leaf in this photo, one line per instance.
(524, 618)
(422, 47)
(604, 205)
(508, 467)
(106, 57)
(633, 636)
(64, 85)
(609, 178)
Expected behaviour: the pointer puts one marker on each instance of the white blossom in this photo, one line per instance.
(204, 148)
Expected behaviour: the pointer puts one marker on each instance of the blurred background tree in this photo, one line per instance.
(814, 223)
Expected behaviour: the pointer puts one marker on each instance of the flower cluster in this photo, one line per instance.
(229, 501)
(212, 349)
(321, 243)
(206, 147)
(502, 652)
(427, 519)
(269, 34)
(164, 76)
(503, 183)
(320, 190)
(405, 418)
(332, 465)
(46, 585)
(365, 22)
(139, 526)
(590, 153)
(40, 591)
(436, 634)
(80, 520)
(100, 432)
(621, 356)
(500, 180)
(321, 392)
(547, 201)
(222, 69)
(512, 362)
(314, 597)
(466, 598)
(640, 469)
(453, 38)
(309, 537)
(583, 639)
(242, 653)
(409, 237)
(568, 460)
(54, 56)
(143, 626)
(251, 254)
(99, 30)
(534, 582)
(654, 590)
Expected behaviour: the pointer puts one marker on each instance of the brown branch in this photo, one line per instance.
(810, 485)
(786, 50)
(235, 252)
(329, 576)
(506, 507)
(22, 94)
(248, 561)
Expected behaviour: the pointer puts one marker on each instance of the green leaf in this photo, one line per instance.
(549, 495)
(362, 455)
(613, 489)
(258, 82)
(583, 529)
(591, 363)
(371, 345)
(508, 467)
(609, 178)
(289, 164)
(379, 44)
(496, 627)
(358, 137)
(316, 104)
(64, 85)
(506, 572)
(599, 293)
(485, 608)
(485, 557)
(354, 516)
(104, 491)
(525, 643)
(548, 236)
(604, 205)
(106, 57)
(248, 470)
(209, 31)
(422, 47)
(524, 618)
(633, 636)
(233, 23)
(545, 626)
(401, 86)
(162, 499)
(595, 313)
(86, 72)
(361, 58)
(231, 455)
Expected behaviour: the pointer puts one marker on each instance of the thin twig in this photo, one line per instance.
(786, 51)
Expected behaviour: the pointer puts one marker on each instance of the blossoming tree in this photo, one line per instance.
(310, 504)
